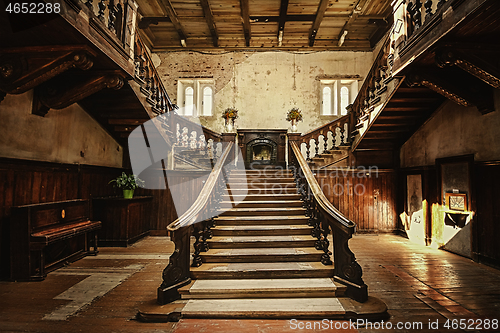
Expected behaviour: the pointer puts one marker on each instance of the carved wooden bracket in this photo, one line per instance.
(473, 62)
(460, 91)
(22, 68)
(61, 93)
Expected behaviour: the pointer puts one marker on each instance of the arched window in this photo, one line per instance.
(327, 101)
(207, 101)
(189, 101)
(344, 99)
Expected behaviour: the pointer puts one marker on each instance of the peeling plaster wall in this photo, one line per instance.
(263, 86)
(455, 130)
(61, 136)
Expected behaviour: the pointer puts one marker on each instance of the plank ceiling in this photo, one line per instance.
(264, 24)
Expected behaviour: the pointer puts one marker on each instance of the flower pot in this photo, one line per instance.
(128, 194)
(294, 126)
(229, 125)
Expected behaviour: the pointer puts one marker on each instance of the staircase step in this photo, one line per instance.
(262, 255)
(262, 230)
(282, 308)
(261, 288)
(260, 180)
(258, 197)
(239, 242)
(264, 211)
(259, 185)
(261, 270)
(261, 220)
(263, 204)
(278, 190)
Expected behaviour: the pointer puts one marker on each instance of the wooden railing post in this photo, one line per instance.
(197, 220)
(323, 217)
(177, 273)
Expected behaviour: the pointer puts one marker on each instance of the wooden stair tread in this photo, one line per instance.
(260, 218)
(232, 239)
(263, 266)
(261, 288)
(258, 202)
(265, 209)
(263, 227)
(263, 251)
(272, 307)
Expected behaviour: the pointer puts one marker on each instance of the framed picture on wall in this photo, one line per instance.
(456, 201)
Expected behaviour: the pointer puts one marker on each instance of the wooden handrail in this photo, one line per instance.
(323, 216)
(317, 192)
(197, 221)
(190, 216)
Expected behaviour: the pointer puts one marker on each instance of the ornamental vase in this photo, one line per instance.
(294, 126)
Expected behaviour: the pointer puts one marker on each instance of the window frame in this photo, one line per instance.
(335, 102)
(198, 86)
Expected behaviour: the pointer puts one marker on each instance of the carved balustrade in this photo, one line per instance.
(191, 136)
(115, 19)
(149, 79)
(326, 219)
(420, 13)
(325, 138)
(374, 86)
(197, 221)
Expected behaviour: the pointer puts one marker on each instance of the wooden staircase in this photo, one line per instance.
(331, 159)
(262, 259)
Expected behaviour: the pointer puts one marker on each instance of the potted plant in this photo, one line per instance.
(229, 115)
(294, 115)
(128, 183)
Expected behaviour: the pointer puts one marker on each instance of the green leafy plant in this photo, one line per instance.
(230, 113)
(127, 182)
(294, 113)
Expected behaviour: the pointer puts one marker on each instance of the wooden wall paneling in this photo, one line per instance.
(360, 206)
(486, 247)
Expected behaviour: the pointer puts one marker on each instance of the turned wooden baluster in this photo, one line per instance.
(325, 244)
(198, 233)
(409, 18)
(428, 9)
(111, 16)
(147, 78)
(342, 135)
(90, 5)
(102, 8)
(308, 153)
(417, 14)
(316, 147)
(325, 143)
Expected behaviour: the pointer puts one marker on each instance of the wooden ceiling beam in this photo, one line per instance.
(245, 17)
(352, 18)
(317, 21)
(209, 17)
(282, 20)
(289, 18)
(146, 21)
(172, 14)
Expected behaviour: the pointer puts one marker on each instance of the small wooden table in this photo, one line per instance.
(124, 221)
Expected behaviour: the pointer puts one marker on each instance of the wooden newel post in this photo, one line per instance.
(230, 137)
(346, 269)
(176, 274)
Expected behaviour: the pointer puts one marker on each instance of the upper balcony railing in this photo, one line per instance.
(418, 24)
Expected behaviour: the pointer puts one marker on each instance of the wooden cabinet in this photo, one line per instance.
(124, 221)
